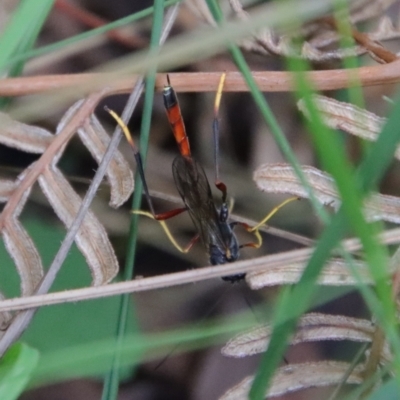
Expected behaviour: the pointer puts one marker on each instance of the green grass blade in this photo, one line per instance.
(21, 34)
(294, 303)
(89, 359)
(388, 391)
(267, 114)
(344, 27)
(22, 30)
(87, 35)
(302, 294)
(110, 390)
(16, 368)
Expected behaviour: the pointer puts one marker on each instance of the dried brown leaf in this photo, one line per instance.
(363, 10)
(347, 117)
(311, 327)
(29, 138)
(322, 42)
(119, 175)
(281, 178)
(311, 52)
(92, 238)
(293, 377)
(24, 254)
(335, 273)
(22, 250)
(96, 140)
(385, 30)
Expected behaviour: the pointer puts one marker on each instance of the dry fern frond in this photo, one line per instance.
(335, 273)
(119, 175)
(31, 139)
(363, 10)
(321, 39)
(281, 178)
(293, 377)
(92, 238)
(21, 248)
(311, 327)
(347, 117)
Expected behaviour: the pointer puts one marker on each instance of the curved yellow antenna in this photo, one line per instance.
(122, 125)
(219, 92)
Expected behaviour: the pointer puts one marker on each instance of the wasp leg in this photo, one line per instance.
(255, 229)
(169, 233)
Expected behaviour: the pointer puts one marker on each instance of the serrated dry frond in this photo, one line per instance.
(335, 273)
(92, 238)
(362, 10)
(96, 140)
(281, 178)
(321, 38)
(31, 139)
(385, 30)
(311, 327)
(22, 250)
(293, 377)
(347, 117)
(20, 246)
(120, 176)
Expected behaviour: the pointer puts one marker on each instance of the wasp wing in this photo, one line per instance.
(192, 184)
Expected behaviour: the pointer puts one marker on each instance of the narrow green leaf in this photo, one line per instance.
(16, 368)
(83, 360)
(87, 35)
(267, 114)
(110, 389)
(291, 305)
(387, 391)
(23, 28)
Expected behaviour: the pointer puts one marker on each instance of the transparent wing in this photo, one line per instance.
(193, 186)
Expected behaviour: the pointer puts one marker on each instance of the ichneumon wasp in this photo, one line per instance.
(212, 223)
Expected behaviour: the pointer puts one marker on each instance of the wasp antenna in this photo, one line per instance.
(219, 93)
(220, 185)
(123, 126)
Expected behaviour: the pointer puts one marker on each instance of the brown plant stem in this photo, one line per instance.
(268, 81)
